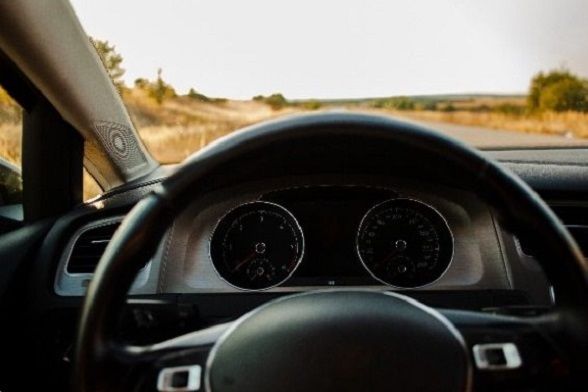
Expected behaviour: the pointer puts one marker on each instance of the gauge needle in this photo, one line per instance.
(389, 256)
(397, 249)
(244, 261)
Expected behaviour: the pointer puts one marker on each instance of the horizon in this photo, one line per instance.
(365, 50)
(442, 96)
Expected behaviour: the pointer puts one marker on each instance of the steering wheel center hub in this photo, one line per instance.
(340, 341)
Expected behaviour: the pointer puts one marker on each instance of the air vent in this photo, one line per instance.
(89, 247)
(575, 218)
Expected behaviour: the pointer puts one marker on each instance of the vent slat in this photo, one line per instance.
(89, 247)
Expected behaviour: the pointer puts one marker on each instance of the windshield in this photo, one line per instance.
(495, 74)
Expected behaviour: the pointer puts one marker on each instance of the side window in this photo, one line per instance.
(91, 187)
(10, 163)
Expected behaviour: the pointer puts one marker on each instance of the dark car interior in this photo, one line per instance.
(161, 283)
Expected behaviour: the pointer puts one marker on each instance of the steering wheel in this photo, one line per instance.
(341, 340)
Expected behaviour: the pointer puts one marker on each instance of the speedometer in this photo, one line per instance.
(256, 246)
(404, 243)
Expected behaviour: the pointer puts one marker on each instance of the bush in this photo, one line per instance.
(403, 103)
(276, 101)
(558, 91)
(193, 94)
(448, 108)
(377, 104)
(430, 105)
(483, 108)
(396, 103)
(509, 109)
(313, 104)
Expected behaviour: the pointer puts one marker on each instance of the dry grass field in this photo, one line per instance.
(182, 125)
(500, 113)
(10, 142)
(10, 118)
(564, 124)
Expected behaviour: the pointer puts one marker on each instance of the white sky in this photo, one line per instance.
(342, 48)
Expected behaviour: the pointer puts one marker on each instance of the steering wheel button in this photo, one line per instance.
(179, 379)
(497, 356)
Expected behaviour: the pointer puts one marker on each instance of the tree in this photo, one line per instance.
(276, 101)
(564, 95)
(557, 90)
(141, 83)
(112, 61)
(160, 90)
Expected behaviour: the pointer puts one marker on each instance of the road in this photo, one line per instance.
(488, 138)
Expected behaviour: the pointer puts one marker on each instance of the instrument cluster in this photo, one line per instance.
(341, 236)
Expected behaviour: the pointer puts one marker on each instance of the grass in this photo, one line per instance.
(562, 124)
(178, 127)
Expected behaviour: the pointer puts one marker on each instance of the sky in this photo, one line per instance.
(342, 48)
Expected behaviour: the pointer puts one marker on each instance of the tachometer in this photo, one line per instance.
(404, 243)
(257, 245)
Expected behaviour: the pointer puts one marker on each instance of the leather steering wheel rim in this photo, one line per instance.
(139, 234)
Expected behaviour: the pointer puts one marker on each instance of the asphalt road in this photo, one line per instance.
(488, 138)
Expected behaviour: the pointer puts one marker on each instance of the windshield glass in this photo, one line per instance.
(496, 74)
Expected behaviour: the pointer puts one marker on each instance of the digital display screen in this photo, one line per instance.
(329, 218)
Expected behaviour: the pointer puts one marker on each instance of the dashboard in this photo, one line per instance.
(297, 234)
(327, 220)
(461, 255)
(374, 231)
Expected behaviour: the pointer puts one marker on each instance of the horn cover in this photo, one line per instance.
(340, 341)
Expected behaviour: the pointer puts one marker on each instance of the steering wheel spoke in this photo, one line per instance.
(511, 353)
(175, 363)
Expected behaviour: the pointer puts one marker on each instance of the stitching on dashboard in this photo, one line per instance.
(501, 249)
(116, 192)
(163, 274)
